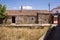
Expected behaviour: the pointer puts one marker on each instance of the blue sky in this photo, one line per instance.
(36, 4)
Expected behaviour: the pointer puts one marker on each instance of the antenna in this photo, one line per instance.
(21, 2)
(21, 5)
(49, 7)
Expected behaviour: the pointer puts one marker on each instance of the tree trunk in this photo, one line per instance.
(1, 20)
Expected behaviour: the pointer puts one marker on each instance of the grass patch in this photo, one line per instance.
(7, 33)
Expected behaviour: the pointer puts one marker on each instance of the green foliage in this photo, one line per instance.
(2, 10)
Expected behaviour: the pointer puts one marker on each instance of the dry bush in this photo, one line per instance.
(7, 33)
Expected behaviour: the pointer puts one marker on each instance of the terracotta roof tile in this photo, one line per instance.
(25, 12)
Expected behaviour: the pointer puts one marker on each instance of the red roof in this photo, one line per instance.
(25, 12)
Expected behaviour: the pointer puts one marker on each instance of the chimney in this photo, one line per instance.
(21, 8)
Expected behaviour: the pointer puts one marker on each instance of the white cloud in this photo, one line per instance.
(26, 7)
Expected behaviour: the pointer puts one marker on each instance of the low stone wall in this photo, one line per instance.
(26, 24)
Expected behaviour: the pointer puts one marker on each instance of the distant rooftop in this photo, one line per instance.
(58, 7)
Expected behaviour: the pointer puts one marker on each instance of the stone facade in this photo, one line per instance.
(43, 18)
(27, 16)
(9, 20)
(25, 19)
(22, 19)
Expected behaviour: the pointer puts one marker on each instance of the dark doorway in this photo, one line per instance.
(13, 19)
(59, 19)
(52, 19)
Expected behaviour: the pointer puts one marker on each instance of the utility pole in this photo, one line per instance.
(49, 13)
(49, 7)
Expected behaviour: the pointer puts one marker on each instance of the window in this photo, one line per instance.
(57, 11)
(32, 18)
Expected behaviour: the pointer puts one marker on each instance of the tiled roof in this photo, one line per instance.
(25, 12)
(58, 7)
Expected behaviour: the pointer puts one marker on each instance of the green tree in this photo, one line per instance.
(2, 10)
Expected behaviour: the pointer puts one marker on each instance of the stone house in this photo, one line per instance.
(33, 16)
(27, 16)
